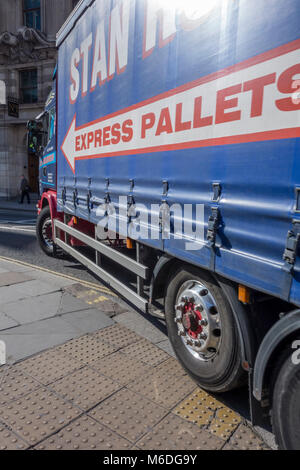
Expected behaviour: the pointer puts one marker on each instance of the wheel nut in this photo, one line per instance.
(199, 308)
(191, 300)
(203, 322)
(177, 320)
(181, 333)
(184, 299)
(203, 336)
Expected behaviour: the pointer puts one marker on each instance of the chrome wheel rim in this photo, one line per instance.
(198, 320)
(47, 233)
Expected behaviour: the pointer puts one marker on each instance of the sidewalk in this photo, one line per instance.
(85, 372)
(14, 205)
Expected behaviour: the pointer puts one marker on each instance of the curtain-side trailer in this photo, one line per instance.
(171, 169)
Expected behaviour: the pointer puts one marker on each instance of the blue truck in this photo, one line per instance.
(168, 167)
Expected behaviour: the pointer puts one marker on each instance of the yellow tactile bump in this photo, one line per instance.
(85, 388)
(117, 335)
(167, 384)
(38, 415)
(87, 349)
(122, 368)
(199, 408)
(146, 352)
(128, 414)
(225, 423)
(85, 434)
(174, 433)
(245, 439)
(48, 366)
(10, 441)
(14, 384)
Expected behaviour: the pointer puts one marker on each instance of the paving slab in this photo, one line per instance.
(85, 388)
(85, 434)
(128, 414)
(146, 352)
(10, 440)
(121, 368)
(7, 322)
(142, 326)
(14, 384)
(245, 439)
(167, 384)
(36, 287)
(173, 434)
(48, 366)
(166, 346)
(38, 415)
(26, 340)
(33, 309)
(69, 303)
(87, 349)
(9, 278)
(117, 335)
(10, 294)
(88, 321)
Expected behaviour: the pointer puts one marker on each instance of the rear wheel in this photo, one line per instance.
(44, 231)
(286, 406)
(202, 330)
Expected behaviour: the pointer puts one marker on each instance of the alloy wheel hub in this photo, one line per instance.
(198, 320)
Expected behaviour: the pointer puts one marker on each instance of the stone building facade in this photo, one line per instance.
(27, 60)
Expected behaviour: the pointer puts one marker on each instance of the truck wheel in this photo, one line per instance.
(44, 231)
(286, 406)
(202, 330)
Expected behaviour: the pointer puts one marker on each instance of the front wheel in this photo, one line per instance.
(286, 405)
(202, 330)
(44, 231)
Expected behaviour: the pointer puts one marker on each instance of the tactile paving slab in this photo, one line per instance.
(87, 349)
(10, 441)
(122, 368)
(245, 439)
(85, 434)
(174, 433)
(199, 408)
(85, 388)
(128, 414)
(49, 366)
(225, 423)
(117, 335)
(14, 384)
(146, 352)
(38, 415)
(167, 384)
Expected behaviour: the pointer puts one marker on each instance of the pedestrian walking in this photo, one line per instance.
(24, 189)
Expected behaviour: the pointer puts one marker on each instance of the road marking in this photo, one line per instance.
(16, 229)
(66, 276)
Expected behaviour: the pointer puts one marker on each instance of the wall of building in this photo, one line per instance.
(38, 53)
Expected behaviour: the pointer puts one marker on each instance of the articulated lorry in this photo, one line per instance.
(170, 167)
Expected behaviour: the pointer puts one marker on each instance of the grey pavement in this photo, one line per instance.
(38, 311)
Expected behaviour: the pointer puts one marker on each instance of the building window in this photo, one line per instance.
(32, 13)
(28, 86)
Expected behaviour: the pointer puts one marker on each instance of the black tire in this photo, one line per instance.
(223, 372)
(43, 218)
(286, 406)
